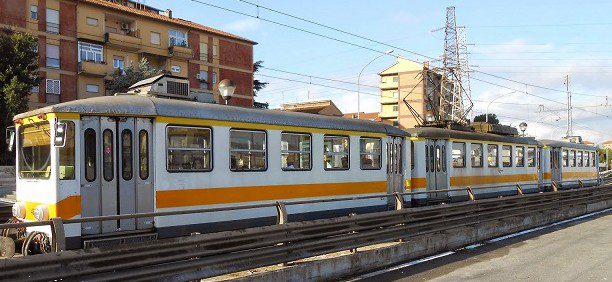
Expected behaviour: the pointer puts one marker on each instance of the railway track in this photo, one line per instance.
(208, 255)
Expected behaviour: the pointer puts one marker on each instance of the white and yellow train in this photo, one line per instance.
(131, 154)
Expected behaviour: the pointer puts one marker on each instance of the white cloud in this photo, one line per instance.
(243, 25)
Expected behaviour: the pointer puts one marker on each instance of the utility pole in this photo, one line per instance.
(570, 131)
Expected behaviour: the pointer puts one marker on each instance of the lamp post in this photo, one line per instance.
(487, 114)
(227, 88)
(359, 85)
(523, 127)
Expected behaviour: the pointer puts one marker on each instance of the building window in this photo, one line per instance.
(395, 94)
(35, 89)
(92, 88)
(155, 38)
(336, 152)
(247, 150)
(295, 151)
(492, 155)
(177, 38)
(119, 63)
(476, 155)
(506, 155)
(53, 56)
(519, 155)
(52, 86)
(565, 159)
(53, 25)
(34, 12)
(176, 69)
(203, 78)
(66, 154)
(531, 156)
(458, 154)
(214, 78)
(395, 108)
(395, 79)
(90, 52)
(92, 21)
(370, 153)
(203, 51)
(215, 51)
(189, 149)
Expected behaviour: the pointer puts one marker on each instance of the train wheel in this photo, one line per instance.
(36, 243)
(14, 233)
(7, 247)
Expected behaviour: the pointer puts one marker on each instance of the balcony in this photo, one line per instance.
(388, 114)
(97, 69)
(180, 51)
(389, 85)
(388, 100)
(130, 42)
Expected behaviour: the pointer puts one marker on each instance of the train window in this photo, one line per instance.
(108, 155)
(531, 156)
(519, 155)
(506, 155)
(35, 151)
(476, 155)
(432, 159)
(370, 152)
(189, 149)
(458, 154)
(587, 159)
(143, 154)
(580, 159)
(573, 158)
(66, 154)
(438, 158)
(443, 157)
(336, 152)
(565, 158)
(426, 158)
(411, 155)
(126, 155)
(90, 154)
(295, 151)
(247, 150)
(492, 155)
(593, 160)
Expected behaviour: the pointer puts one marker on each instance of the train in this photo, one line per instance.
(128, 154)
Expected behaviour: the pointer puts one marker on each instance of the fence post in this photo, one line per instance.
(471, 194)
(555, 187)
(399, 201)
(281, 213)
(519, 190)
(59, 235)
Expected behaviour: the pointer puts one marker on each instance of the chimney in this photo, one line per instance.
(169, 13)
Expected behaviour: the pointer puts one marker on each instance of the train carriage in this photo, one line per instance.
(132, 154)
(571, 164)
(451, 159)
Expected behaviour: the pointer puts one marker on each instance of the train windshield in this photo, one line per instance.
(35, 151)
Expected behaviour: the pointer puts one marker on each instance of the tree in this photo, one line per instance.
(123, 79)
(18, 75)
(258, 85)
(482, 118)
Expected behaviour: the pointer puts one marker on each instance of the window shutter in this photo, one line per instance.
(56, 86)
(49, 86)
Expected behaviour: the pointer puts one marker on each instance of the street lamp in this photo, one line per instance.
(487, 114)
(227, 88)
(523, 127)
(359, 85)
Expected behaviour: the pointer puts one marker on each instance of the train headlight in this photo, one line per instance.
(41, 213)
(19, 210)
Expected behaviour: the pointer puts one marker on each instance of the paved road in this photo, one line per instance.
(576, 251)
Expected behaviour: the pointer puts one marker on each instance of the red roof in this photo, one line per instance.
(157, 16)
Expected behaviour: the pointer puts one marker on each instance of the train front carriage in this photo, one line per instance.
(491, 165)
(572, 164)
(132, 154)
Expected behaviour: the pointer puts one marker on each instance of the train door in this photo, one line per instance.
(437, 174)
(540, 165)
(90, 177)
(557, 163)
(125, 184)
(395, 176)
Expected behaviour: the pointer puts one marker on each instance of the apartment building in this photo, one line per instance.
(82, 42)
(411, 82)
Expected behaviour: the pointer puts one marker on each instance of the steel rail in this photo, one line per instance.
(519, 205)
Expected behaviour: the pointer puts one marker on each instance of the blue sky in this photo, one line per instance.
(535, 42)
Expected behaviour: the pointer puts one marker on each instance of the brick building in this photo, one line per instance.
(82, 42)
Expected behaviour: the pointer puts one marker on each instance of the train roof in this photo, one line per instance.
(558, 143)
(135, 105)
(443, 133)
